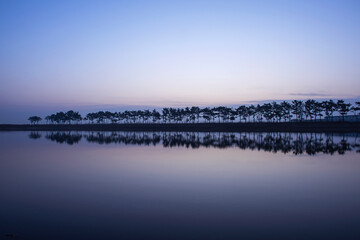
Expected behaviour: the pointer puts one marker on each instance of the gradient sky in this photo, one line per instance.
(89, 54)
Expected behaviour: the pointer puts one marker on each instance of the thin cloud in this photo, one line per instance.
(310, 94)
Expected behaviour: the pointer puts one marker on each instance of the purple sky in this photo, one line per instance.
(95, 55)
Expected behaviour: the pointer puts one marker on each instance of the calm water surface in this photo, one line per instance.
(179, 186)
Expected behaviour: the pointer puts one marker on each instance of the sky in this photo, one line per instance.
(96, 55)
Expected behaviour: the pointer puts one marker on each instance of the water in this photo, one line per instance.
(89, 185)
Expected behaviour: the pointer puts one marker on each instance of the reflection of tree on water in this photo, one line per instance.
(63, 137)
(296, 143)
(34, 135)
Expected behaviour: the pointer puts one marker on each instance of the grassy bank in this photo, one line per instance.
(197, 127)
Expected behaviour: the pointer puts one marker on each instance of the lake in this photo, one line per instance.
(127, 185)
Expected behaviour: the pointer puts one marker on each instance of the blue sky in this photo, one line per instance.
(60, 55)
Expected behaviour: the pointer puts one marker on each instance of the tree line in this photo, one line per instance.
(295, 110)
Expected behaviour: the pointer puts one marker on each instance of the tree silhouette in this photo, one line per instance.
(298, 109)
(356, 107)
(34, 119)
(329, 107)
(343, 108)
(156, 116)
(286, 107)
(309, 108)
(271, 112)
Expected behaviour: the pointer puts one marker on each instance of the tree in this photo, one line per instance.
(233, 115)
(72, 116)
(259, 113)
(34, 119)
(165, 114)
(356, 107)
(48, 118)
(278, 111)
(207, 114)
(329, 107)
(224, 113)
(156, 116)
(91, 117)
(242, 112)
(297, 109)
(196, 112)
(317, 109)
(286, 107)
(309, 108)
(343, 108)
(268, 112)
(251, 112)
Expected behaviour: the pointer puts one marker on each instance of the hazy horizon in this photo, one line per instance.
(96, 55)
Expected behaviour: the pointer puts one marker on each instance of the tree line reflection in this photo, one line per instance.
(296, 143)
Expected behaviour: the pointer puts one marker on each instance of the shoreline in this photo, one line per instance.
(193, 127)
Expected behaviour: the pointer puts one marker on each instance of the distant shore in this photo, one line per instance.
(193, 127)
